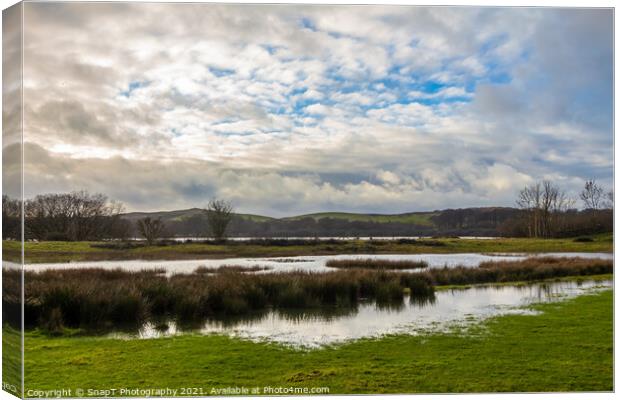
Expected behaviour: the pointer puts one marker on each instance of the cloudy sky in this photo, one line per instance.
(293, 109)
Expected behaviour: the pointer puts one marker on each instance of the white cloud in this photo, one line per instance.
(420, 107)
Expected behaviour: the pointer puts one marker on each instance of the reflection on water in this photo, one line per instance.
(313, 328)
(306, 263)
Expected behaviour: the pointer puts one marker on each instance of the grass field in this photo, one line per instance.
(569, 347)
(81, 251)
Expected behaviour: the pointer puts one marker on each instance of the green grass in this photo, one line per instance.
(82, 251)
(569, 347)
(11, 360)
(422, 219)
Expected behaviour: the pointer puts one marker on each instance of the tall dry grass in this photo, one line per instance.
(371, 263)
(104, 298)
(100, 298)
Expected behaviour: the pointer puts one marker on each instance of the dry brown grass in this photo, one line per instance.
(370, 263)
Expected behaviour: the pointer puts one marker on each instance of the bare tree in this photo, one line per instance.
(609, 200)
(151, 229)
(219, 215)
(70, 216)
(529, 200)
(11, 218)
(592, 195)
(543, 203)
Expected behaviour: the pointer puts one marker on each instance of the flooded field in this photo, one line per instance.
(305, 263)
(315, 328)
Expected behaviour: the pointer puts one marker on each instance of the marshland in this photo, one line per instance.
(98, 298)
(284, 296)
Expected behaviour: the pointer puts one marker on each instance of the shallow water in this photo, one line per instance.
(342, 238)
(333, 326)
(306, 263)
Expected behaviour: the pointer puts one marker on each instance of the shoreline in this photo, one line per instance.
(572, 349)
(51, 252)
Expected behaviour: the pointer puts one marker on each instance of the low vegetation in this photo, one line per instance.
(568, 347)
(97, 298)
(530, 269)
(41, 252)
(103, 298)
(370, 263)
(230, 268)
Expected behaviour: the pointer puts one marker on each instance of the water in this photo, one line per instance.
(342, 238)
(305, 263)
(333, 326)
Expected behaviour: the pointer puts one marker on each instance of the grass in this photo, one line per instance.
(230, 268)
(11, 360)
(530, 269)
(96, 298)
(568, 278)
(569, 347)
(370, 263)
(40, 252)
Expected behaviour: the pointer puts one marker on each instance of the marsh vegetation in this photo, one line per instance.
(97, 298)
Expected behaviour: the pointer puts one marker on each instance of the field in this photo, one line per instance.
(569, 347)
(38, 252)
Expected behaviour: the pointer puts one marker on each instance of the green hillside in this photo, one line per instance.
(180, 215)
(421, 218)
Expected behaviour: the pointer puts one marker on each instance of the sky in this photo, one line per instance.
(285, 110)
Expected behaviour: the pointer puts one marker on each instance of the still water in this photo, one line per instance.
(306, 263)
(333, 326)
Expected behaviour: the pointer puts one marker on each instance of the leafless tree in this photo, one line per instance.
(543, 202)
(151, 229)
(219, 215)
(529, 200)
(11, 218)
(609, 200)
(70, 216)
(592, 195)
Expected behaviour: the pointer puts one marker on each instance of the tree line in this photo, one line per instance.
(547, 211)
(543, 210)
(81, 216)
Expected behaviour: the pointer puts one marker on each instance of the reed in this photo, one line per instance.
(373, 263)
(102, 298)
(230, 268)
(98, 298)
(530, 269)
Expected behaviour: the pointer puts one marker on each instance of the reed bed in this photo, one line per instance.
(104, 298)
(529, 269)
(370, 263)
(230, 268)
(111, 298)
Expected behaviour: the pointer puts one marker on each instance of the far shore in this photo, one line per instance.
(48, 252)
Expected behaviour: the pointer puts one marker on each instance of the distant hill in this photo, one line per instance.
(418, 218)
(181, 215)
(484, 221)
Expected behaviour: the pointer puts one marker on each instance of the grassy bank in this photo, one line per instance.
(567, 348)
(85, 251)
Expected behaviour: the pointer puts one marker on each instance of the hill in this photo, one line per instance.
(182, 215)
(466, 221)
(417, 218)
